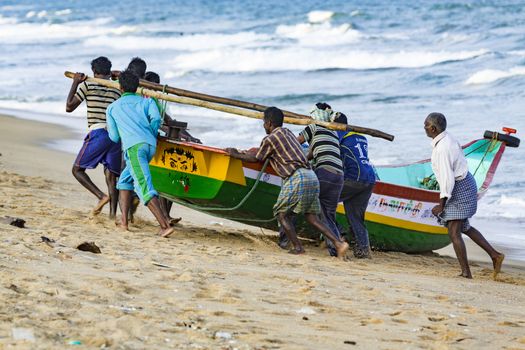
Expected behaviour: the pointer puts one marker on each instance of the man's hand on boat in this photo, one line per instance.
(247, 156)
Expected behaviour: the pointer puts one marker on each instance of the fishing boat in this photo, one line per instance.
(399, 213)
(398, 216)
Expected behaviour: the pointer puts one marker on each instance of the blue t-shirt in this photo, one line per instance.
(133, 119)
(354, 154)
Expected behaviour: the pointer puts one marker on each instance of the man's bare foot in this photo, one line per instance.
(133, 209)
(166, 232)
(341, 249)
(174, 221)
(296, 251)
(101, 203)
(497, 262)
(465, 275)
(121, 226)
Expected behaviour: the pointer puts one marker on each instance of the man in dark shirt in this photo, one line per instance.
(359, 180)
(300, 187)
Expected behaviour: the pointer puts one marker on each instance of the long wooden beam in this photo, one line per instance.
(239, 111)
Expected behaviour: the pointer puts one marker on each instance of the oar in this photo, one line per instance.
(238, 111)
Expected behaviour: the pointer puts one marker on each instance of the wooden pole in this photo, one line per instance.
(239, 111)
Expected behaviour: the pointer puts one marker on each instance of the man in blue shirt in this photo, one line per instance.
(359, 180)
(135, 121)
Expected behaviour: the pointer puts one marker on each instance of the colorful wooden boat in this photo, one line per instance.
(398, 216)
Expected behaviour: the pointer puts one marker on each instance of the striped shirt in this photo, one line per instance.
(283, 150)
(98, 98)
(325, 148)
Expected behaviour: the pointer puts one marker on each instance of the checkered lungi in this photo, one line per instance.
(299, 194)
(463, 203)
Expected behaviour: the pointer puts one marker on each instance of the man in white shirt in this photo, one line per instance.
(458, 193)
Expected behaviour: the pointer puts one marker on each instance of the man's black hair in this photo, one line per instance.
(341, 118)
(138, 66)
(152, 77)
(274, 115)
(101, 65)
(438, 120)
(323, 105)
(128, 80)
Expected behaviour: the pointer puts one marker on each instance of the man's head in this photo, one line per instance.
(152, 77)
(101, 66)
(128, 80)
(273, 118)
(435, 124)
(340, 118)
(138, 66)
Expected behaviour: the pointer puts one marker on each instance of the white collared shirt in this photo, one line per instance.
(448, 163)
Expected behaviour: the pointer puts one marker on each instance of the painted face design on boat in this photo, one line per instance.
(180, 159)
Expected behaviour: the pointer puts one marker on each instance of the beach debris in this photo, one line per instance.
(14, 221)
(436, 318)
(216, 223)
(74, 342)
(305, 318)
(350, 342)
(49, 241)
(306, 311)
(222, 335)
(89, 247)
(23, 334)
(161, 265)
(16, 289)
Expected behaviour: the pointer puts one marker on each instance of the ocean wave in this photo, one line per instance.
(324, 34)
(194, 42)
(320, 16)
(308, 59)
(488, 76)
(503, 206)
(13, 31)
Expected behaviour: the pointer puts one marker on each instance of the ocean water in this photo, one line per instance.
(385, 64)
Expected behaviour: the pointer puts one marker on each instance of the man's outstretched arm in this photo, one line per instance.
(234, 153)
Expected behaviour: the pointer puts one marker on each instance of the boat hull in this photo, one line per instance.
(398, 218)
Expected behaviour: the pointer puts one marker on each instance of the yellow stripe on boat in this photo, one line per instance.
(395, 222)
(187, 159)
(404, 224)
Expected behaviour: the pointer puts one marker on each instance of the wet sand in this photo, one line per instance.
(213, 286)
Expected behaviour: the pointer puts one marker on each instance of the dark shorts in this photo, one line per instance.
(99, 149)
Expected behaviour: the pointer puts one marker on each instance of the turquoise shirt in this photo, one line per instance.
(133, 119)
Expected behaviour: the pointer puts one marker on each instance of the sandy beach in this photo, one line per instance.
(215, 284)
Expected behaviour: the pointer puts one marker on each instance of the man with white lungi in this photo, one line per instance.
(458, 193)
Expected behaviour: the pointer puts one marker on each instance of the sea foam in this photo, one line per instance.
(488, 76)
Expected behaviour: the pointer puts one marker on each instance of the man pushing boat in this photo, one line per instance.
(300, 187)
(458, 193)
(97, 147)
(135, 120)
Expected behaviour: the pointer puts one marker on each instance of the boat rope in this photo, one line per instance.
(163, 104)
(258, 179)
(490, 148)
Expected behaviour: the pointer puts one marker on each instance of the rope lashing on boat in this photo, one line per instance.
(490, 148)
(258, 179)
(163, 104)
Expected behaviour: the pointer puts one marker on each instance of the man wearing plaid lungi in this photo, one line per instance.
(458, 193)
(300, 187)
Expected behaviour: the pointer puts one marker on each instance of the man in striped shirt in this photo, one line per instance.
(324, 151)
(300, 187)
(97, 147)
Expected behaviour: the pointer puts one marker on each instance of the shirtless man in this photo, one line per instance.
(97, 147)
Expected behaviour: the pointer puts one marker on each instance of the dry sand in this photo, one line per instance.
(221, 287)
